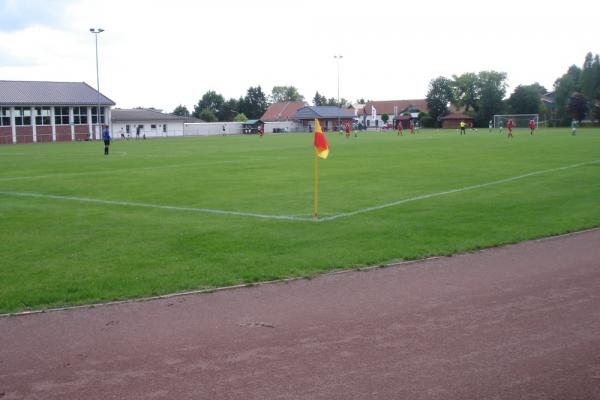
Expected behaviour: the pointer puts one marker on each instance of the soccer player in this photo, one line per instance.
(347, 129)
(400, 128)
(462, 128)
(509, 126)
(500, 126)
(106, 138)
(491, 125)
(531, 126)
(411, 125)
(261, 130)
(573, 127)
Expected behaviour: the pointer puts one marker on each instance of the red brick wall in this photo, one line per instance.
(5, 135)
(43, 134)
(63, 133)
(24, 134)
(82, 132)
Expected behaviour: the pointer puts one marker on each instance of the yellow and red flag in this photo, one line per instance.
(321, 146)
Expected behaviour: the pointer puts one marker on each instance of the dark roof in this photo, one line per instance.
(50, 93)
(282, 111)
(146, 114)
(252, 122)
(311, 112)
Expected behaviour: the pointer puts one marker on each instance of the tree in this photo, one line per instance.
(229, 110)
(578, 106)
(438, 97)
(467, 90)
(492, 86)
(212, 101)
(285, 93)
(254, 104)
(207, 115)
(563, 89)
(385, 117)
(181, 111)
(525, 100)
(319, 100)
(590, 77)
(241, 117)
(332, 101)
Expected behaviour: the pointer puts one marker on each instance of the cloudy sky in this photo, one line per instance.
(161, 54)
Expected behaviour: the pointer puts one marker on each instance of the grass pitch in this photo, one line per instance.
(170, 215)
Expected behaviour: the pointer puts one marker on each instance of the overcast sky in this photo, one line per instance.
(164, 53)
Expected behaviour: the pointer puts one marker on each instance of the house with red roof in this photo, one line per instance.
(282, 111)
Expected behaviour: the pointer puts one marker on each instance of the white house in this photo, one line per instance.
(372, 112)
(147, 122)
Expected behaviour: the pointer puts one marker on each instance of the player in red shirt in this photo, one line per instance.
(261, 130)
(400, 128)
(411, 125)
(509, 126)
(531, 126)
(347, 129)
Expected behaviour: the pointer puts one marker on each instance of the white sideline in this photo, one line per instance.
(464, 189)
(293, 217)
(160, 206)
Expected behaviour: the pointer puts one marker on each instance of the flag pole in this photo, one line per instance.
(316, 191)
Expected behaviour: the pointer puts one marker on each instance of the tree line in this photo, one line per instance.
(482, 94)
(213, 107)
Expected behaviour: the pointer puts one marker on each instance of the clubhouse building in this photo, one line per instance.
(39, 111)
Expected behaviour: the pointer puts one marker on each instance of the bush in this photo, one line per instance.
(428, 122)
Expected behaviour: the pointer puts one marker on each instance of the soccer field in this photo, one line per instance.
(168, 215)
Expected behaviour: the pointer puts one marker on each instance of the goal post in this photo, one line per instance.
(519, 120)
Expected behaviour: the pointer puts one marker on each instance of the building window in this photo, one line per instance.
(95, 115)
(165, 128)
(153, 126)
(22, 116)
(127, 129)
(4, 116)
(42, 116)
(61, 115)
(80, 115)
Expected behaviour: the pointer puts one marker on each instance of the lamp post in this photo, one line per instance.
(96, 31)
(338, 58)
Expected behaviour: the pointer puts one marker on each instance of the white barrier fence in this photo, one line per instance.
(235, 128)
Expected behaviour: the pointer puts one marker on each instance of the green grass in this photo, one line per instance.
(57, 252)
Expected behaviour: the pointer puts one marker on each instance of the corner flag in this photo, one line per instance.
(321, 151)
(321, 146)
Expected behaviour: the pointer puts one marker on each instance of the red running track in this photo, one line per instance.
(515, 322)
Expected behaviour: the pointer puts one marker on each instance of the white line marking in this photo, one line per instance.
(464, 189)
(160, 206)
(292, 217)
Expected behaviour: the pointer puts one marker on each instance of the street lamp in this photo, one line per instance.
(96, 31)
(338, 58)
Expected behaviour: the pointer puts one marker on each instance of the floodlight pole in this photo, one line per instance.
(338, 58)
(96, 31)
